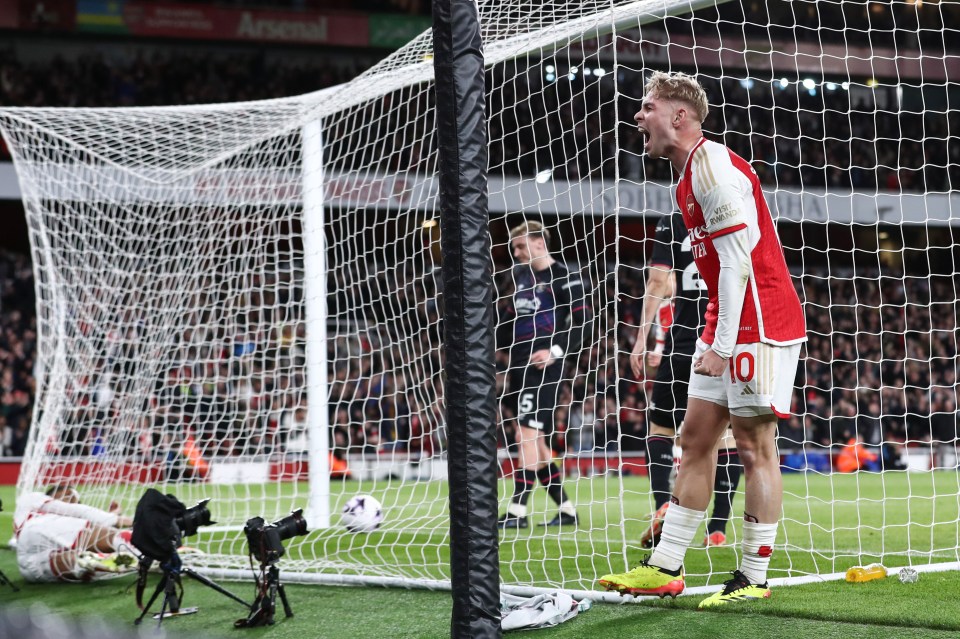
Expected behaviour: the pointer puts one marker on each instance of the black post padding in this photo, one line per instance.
(468, 320)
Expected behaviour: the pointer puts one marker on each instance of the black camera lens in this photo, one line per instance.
(266, 540)
(194, 517)
(292, 525)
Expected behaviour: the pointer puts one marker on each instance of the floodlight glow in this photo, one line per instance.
(845, 86)
(599, 72)
(550, 68)
(831, 86)
(784, 83)
(809, 84)
(544, 176)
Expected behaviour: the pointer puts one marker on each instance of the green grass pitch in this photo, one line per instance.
(895, 518)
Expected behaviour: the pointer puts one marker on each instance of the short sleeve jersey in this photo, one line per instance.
(671, 250)
(544, 303)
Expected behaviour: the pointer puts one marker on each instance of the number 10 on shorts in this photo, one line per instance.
(742, 367)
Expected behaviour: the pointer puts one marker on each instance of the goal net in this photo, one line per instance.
(240, 301)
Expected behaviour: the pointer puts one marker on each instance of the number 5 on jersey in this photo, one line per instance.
(526, 405)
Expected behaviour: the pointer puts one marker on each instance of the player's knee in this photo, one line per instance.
(748, 458)
(695, 444)
(755, 453)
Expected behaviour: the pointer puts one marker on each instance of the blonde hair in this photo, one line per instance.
(530, 227)
(680, 87)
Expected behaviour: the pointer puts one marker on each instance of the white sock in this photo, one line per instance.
(757, 548)
(517, 510)
(679, 528)
(568, 509)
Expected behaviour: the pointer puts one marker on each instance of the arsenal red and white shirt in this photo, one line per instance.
(718, 194)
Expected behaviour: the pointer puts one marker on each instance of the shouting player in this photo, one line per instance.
(747, 354)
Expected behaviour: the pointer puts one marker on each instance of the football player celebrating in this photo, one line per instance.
(747, 355)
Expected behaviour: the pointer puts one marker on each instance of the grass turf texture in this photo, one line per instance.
(885, 608)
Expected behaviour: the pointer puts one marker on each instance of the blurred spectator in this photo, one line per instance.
(164, 76)
(837, 135)
(880, 364)
(580, 434)
(853, 456)
(882, 356)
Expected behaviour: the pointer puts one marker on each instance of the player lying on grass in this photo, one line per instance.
(60, 539)
(747, 355)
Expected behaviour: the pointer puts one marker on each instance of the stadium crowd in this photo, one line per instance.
(859, 137)
(825, 137)
(881, 361)
(18, 345)
(880, 365)
(161, 77)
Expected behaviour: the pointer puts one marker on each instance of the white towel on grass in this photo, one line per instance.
(541, 611)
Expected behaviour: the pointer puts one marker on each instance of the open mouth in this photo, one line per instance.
(646, 136)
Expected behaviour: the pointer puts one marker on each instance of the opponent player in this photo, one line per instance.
(672, 358)
(747, 355)
(60, 539)
(544, 324)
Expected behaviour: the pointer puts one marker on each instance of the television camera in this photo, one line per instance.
(159, 526)
(265, 543)
(3, 578)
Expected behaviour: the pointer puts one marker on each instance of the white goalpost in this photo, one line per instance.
(242, 301)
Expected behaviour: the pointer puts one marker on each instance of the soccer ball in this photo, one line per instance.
(362, 513)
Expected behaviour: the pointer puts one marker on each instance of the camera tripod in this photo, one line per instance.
(3, 578)
(6, 580)
(265, 605)
(168, 585)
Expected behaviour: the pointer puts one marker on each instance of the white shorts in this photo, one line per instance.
(39, 538)
(758, 381)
